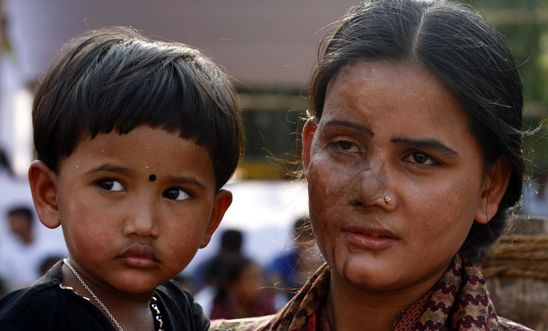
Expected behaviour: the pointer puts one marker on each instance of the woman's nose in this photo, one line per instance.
(373, 185)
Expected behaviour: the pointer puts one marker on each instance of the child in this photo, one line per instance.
(135, 139)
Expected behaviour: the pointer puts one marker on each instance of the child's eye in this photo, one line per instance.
(422, 159)
(175, 194)
(110, 185)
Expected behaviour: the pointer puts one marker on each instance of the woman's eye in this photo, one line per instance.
(421, 159)
(346, 146)
(175, 194)
(110, 185)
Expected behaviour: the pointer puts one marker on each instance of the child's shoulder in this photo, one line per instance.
(28, 308)
(48, 306)
(181, 310)
(41, 294)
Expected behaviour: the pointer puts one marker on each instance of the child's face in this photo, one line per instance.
(134, 208)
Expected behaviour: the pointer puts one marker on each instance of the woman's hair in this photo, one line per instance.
(115, 79)
(468, 55)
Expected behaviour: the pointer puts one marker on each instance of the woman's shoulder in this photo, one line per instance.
(242, 324)
(507, 325)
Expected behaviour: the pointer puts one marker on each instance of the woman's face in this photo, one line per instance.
(393, 129)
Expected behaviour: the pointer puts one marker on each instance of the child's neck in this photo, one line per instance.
(130, 312)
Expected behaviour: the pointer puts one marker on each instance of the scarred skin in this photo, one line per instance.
(392, 129)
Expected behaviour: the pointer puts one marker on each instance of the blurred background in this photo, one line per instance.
(268, 48)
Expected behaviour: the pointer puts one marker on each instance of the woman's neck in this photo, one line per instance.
(352, 308)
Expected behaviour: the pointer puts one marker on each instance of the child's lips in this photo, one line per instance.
(139, 256)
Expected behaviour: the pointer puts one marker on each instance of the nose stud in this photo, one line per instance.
(388, 200)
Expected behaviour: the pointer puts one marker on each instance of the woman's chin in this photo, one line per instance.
(364, 274)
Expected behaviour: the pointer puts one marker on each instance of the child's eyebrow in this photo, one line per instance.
(110, 168)
(186, 180)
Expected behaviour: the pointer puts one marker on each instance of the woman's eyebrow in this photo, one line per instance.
(348, 124)
(427, 144)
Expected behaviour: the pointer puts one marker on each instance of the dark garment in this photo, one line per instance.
(224, 308)
(45, 306)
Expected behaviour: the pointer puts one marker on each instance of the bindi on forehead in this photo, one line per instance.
(152, 177)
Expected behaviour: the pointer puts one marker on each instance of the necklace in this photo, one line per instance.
(158, 321)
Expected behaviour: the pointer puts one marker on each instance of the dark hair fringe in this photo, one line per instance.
(114, 80)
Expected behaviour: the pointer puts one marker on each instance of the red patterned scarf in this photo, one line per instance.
(458, 301)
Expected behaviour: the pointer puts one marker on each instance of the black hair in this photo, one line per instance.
(114, 80)
(22, 211)
(468, 55)
(5, 162)
(302, 229)
(231, 240)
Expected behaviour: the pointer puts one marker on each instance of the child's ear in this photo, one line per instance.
(308, 134)
(43, 186)
(223, 199)
(495, 183)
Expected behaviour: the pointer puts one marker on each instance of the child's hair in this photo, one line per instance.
(114, 80)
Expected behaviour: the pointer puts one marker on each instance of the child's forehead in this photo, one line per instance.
(133, 136)
(144, 146)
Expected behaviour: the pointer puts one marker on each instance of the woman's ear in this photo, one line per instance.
(495, 183)
(223, 200)
(308, 134)
(43, 186)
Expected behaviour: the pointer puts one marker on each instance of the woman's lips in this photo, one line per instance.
(369, 238)
(139, 256)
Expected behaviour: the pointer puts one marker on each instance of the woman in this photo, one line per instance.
(413, 158)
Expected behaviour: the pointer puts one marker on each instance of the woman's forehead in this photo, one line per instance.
(388, 85)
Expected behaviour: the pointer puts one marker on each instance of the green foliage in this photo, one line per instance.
(536, 145)
(524, 23)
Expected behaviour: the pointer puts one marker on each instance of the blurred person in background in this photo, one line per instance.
(288, 271)
(5, 165)
(206, 272)
(206, 277)
(21, 257)
(239, 291)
